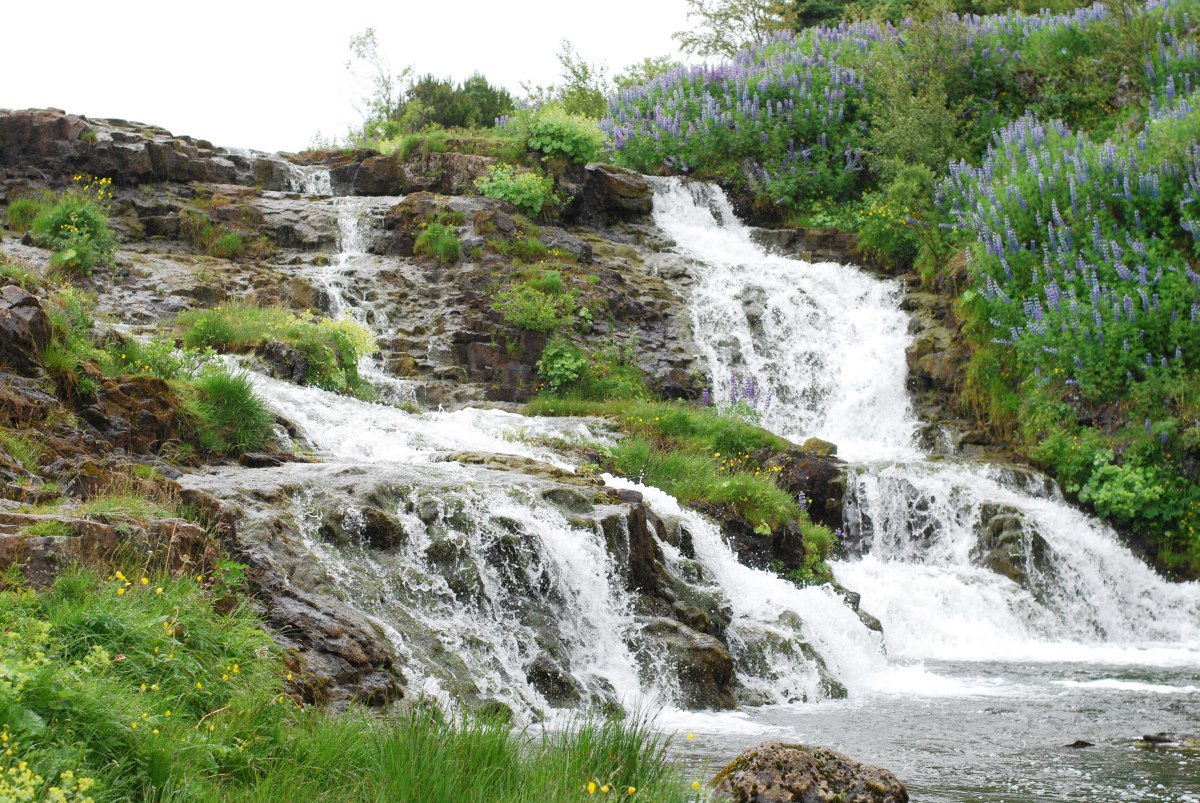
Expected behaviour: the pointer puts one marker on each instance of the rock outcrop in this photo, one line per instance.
(774, 772)
(24, 331)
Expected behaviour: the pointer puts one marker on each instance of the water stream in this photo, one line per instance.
(989, 670)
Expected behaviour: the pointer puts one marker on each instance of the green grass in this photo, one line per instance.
(24, 448)
(227, 416)
(439, 241)
(331, 348)
(134, 682)
(49, 529)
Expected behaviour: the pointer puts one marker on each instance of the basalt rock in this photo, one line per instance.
(774, 772)
(704, 666)
(24, 331)
(1009, 545)
(61, 145)
(603, 194)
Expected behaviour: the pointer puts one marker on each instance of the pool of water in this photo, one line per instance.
(996, 732)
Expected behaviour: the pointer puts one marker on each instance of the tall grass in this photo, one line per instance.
(140, 686)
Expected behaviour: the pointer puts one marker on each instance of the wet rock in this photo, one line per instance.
(1079, 744)
(284, 362)
(815, 244)
(1009, 545)
(704, 666)
(258, 460)
(560, 689)
(24, 331)
(819, 447)
(775, 771)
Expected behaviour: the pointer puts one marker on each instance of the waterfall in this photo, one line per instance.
(958, 560)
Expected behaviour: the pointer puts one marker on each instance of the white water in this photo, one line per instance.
(775, 319)
(828, 344)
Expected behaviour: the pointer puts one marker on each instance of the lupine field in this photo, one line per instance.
(1074, 199)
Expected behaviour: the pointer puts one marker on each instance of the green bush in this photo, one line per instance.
(76, 228)
(526, 191)
(23, 211)
(439, 241)
(561, 365)
(552, 132)
(526, 307)
(227, 246)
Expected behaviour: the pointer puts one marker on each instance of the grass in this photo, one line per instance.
(227, 417)
(439, 241)
(134, 686)
(22, 447)
(331, 348)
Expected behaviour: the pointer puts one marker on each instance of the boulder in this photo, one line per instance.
(24, 331)
(776, 772)
(1008, 545)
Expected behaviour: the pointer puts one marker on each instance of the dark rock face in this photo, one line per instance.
(131, 153)
(605, 194)
(704, 666)
(812, 245)
(774, 772)
(1010, 546)
(138, 413)
(370, 173)
(24, 331)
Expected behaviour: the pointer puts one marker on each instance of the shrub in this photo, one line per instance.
(527, 307)
(561, 365)
(552, 132)
(76, 228)
(439, 241)
(227, 246)
(527, 191)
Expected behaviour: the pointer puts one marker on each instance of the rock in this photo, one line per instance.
(446, 173)
(284, 362)
(129, 153)
(136, 412)
(704, 666)
(818, 244)
(1079, 744)
(559, 688)
(606, 194)
(1009, 545)
(774, 771)
(259, 460)
(24, 331)
(819, 447)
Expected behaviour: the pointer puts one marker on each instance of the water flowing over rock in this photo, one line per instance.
(775, 772)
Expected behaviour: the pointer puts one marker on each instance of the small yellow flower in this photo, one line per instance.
(133, 725)
(691, 737)
(591, 787)
(604, 789)
(158, 590)
(143, 687)
(120, 592)
(145, 581)
(119, 576)
(167, 713)
(632, 790)
(696, 785)
(154, 687)
(199, 685)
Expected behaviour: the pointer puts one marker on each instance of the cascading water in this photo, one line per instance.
(969, 567)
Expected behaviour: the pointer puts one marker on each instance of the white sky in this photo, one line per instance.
(269, 75)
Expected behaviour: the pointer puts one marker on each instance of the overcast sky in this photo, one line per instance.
(271, 75)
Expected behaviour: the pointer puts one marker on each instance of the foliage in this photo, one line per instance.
(643, 71)
(399, 104)
(23, 211)
(331, 347)
(439, 241)
(552, 132)
(723, 27)
(132, 687)
(607, 373)
(75, 226)
(527, 191)
(217, 239)
(525, 306)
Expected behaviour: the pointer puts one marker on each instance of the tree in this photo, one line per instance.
(726, 26)
(643, 71)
